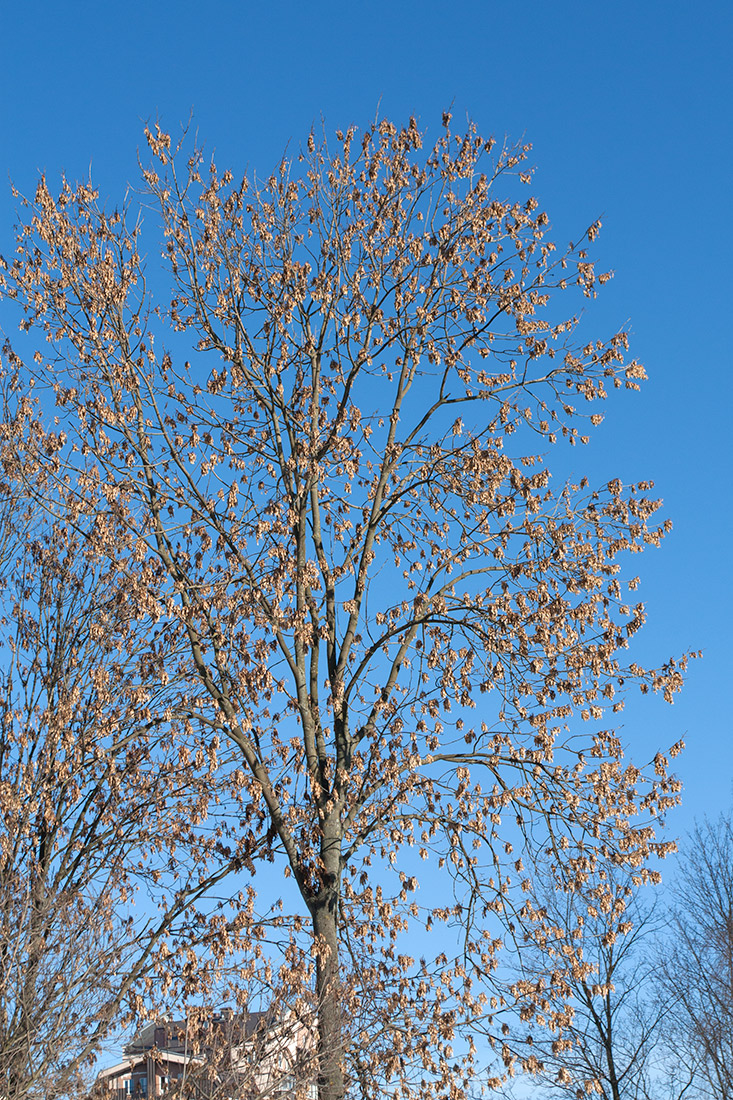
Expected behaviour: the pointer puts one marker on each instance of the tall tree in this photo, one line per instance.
(337, 515)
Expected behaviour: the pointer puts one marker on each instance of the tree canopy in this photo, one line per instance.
(320, 466)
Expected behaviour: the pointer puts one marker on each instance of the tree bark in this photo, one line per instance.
(325, 916)
(331, 1084)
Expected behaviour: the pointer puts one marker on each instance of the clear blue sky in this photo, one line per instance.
(628, 106)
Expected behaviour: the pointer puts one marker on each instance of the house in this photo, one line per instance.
(153, 1062)
(228, 1056)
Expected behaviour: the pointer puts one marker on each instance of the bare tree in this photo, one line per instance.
(609, 1041)
(90, 798)
(697, 961)
(338, 517)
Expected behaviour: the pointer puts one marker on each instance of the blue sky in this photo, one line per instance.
(628, 108)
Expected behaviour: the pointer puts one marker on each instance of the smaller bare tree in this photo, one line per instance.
(697, 964)
(607, 1042)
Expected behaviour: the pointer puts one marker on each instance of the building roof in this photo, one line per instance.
(133, 1060)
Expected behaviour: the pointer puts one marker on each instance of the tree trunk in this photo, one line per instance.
(330, 1041)
(325, 914)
